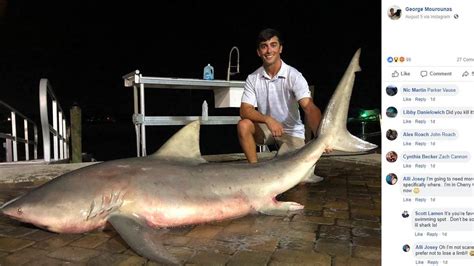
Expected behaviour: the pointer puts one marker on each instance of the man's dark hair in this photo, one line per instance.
(267, 34)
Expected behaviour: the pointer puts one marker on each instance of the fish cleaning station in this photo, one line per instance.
(227, 93)
(176, 206)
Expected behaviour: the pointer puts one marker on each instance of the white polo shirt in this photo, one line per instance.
(278, 96)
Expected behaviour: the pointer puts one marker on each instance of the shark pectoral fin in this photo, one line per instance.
(312, 178)
(351, 143)
(142, 238)
(280, 208)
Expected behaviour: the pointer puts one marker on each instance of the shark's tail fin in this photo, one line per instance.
(334, 119)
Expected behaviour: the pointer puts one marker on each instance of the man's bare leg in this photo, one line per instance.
(246, 131)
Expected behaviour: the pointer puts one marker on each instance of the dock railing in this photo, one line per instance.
(57, 129)
(12, 139)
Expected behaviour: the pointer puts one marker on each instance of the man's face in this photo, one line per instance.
(270, 51)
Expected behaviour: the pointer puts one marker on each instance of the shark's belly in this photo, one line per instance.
(170, 213)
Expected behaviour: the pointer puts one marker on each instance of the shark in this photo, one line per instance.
(144, 196)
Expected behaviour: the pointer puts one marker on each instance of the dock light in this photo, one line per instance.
(368, 114)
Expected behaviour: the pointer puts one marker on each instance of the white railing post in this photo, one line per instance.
(35, 152)
(65, 138)
(45, 128)
(15, 148)
(135, 114)
(55, 127)
(58, 128)
(142, 109)
(27, 148)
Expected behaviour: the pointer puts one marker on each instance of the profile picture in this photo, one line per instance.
(391, 156)
(391, 90)
(391, 134)
(391, 179)
(405, 214)
(406, 248)
(391, 111)
(394, 12)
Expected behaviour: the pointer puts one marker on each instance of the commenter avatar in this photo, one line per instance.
(391, 90)
(391, 134)
(391, 179)
(406, 248)
(391, 156)
(391, 111)
(394, 12)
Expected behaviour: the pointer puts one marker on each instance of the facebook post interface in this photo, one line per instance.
(427, 132)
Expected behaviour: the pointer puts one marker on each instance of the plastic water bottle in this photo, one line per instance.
(208, 72)
(204, 116)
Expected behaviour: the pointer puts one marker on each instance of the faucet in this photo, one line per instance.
(229, 73)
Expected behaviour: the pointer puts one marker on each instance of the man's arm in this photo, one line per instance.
(247, 111)
(312, 114)
(313, 117)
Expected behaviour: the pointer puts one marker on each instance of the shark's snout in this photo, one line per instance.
(12, 209)
(19, 210)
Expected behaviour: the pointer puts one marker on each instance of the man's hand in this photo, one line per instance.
(328, 150)
(247, 111)
(275, 127)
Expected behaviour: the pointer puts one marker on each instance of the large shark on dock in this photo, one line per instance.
(141, 197)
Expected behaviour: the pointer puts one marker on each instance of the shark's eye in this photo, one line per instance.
(19, 211)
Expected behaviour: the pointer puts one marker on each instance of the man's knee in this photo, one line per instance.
(245, 126)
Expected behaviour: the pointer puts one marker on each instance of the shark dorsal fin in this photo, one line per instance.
(183, 145)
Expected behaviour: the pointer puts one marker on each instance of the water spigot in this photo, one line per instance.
(237, 67)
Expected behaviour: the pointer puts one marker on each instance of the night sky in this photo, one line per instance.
(85, 47)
